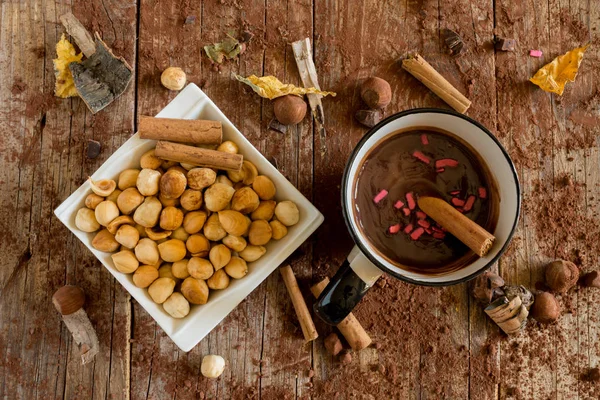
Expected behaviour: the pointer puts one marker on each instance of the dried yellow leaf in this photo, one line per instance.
(270, 87)
(65, 87)
(554, 76)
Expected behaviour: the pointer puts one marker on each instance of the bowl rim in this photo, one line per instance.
(347, 215)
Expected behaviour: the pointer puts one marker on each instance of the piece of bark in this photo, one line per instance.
(510, 315)
(278, 126)
(196, 156)
(192, 131)
(308, 75)
(82, 37)
(453, 41)
(306, 322)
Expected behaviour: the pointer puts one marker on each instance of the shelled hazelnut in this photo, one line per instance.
(195, 290)
(218, 196)
(213, 230)
(233, 222)
(146, 251)
(201, 178)
(127, 236)
(144, 276)
(287, 213)
(179, 269)
(264, 187)
(191, 200)
(114, 195)
(148, 212)
(105, 241)
(171, 218)
(116, 223)
(245, 200)
(129, 200)
(103, 187)
(173, 78)
(125, 261)
(235, 243)
(128, 178)
(148, 182)
(161, 289)
(177, 306)
(219, 256)
(228, 147)
(194, 221)
(92, 200)
(198, 245)
(85, 220)
(150, 161)
(172, 184)
(279, 230)
(265, 210)
(105, 212)
(260, 232)
(236, 268)
(252, 253)
(218, 281)
(172, 250)
(200, 268)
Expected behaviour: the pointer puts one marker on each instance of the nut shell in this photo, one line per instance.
(103, 187)
(289, 109)
(116, 223)
(561, 275)
(234, 222)
(264, 187)
(376, 92)
(195, 290)
(161, 289)
(68, 299)
(172, 184)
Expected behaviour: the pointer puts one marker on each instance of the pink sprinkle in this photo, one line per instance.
(439, 235)
(455, 192)
(428, 230)
(421, 215)
(469, 203)
(457, 202)
(424, 139)
(482, 193)
(535, 53)
(417, 233)
(394, 228)
(408, 228)
(446, 162)
(406, 211)
(424, 223)
(398, 204)
(411, 200)
(439, 170)
(380, 196)
(422, 157)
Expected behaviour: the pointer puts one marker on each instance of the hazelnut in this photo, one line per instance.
(105, 241)
(171, 218)
(264, 187)
(168, 202)
(85, 220)
(141, 230)
(125, 261)
(252, 253)
(236, 268)
(146, 251)
(200, 268)
(144, 276)
(224, 180)
(191, 200)
(148, 181)
(173, 78)
(545, 308)
(289, 109)
(105, 212)
(148, 212)
(218, 196)
(166, 271)
(129, 200)
(235, 243)
(245, 200)
(213, 229)
(177, 306)
(200, 178)
(157, 234)
(212, 366)
(187, 167)
(103, 187)
(279, 230)
(116, 223)
(228, 147)
(219, 280)
(166, 164)
(128, 236)
(114, 195)
(172, 250)
(128, 178)
(246, 174)
(161, 289)
(198, 245)
(180, 234)
(68, 299)
(234, 222)
(287, 213)
(92, 200)
(176, 167)
(265, 210)
(150, 161)
(219, 256)
(172, 184)
(561, 275)
(591, 279)
(260, 232)
(195, 290)
(179, 269)
(194, 221)
(376, 92)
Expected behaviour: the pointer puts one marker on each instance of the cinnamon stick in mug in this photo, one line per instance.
(306, 322)
(181, 130)
(197, 156)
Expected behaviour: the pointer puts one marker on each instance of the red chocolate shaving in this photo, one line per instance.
(437, 229)
(482, 193)
(424, 139)
(439, 235)
(408, 228)
(417, 233)
(439, 170)
(454, 192)
(406, 211)
(421, 157)
(424, 223)
(421, 215)
(429, 231)
(411, 200)
(457, 202)
(380, 196)
(469, 203)
(394, 228)
(446, 162)
(399, 204)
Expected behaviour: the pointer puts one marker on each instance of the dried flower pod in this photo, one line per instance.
(103, 187)
(116, 223)
(128, 178)
(144, 276)
(545, 308)
(219, 256)
(146, 251)
(234, 222)
(177, 306)
(228, 147)
(179, 269)
(252, 253)
(376, 92)
(68, 299)
(246, 174)
(180, 234)
(265, 210)
(85, 220)
(172, 184)
(279, 230)
(172, 250)
(194, 221)
(483, 286)
(224, 180)
(289, 109)
(200, 268)
(260, 232)
(105, 241)
(236, 268)
(166, 271)
(264, 187)
(219, 280)
(148, 181)
(150, 161)
(191, 200)
(125, 261)
(198, 245)
(201, 178)
(92, 200)
(157, 234)
(245, 200)
(287, 213)
(161, 289)
(173, 78)
(128, 236)
(218, 196)
(195, 290)
(561, 275)
(148, 212)
(168, 202)
(105, 212)
(171, 218)
(129, 200)
(114, 195)
(213, 229)
(235, 243)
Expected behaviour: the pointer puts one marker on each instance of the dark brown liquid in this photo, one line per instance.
(392, 166)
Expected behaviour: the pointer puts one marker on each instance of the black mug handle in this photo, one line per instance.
(347, 287)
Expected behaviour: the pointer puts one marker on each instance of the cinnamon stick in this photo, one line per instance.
(467, 231)
(192, 131)
(355, 334)
(423, 71)
(306, 322)
(197, 156)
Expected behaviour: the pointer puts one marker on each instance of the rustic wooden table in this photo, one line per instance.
(43, 150)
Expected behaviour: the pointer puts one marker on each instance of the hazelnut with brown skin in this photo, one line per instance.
(545, 308)
(376, 92)
(290, 109)
(561, 275)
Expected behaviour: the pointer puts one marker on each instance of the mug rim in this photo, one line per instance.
(347, 214)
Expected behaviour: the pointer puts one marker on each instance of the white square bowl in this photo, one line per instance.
(192, 103)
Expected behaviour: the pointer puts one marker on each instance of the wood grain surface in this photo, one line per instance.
(43, 142)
